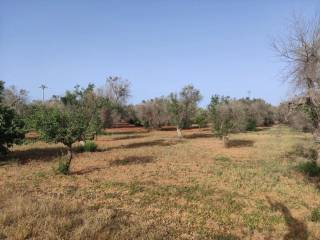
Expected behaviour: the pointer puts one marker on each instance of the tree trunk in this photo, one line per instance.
(179, 133)
(316, 136)
(69, 157)
(225, 141)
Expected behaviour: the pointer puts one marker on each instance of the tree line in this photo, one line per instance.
(82, 113)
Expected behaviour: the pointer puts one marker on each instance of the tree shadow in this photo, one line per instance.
(121, 138)
(296, 229)
(240, 143)
(33, 154)
(199, 135)
(132, 160)
(127, 132)
(160, 142)
(87, 170)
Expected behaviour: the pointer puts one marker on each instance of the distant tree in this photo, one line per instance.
(117, 90)
(175, 108)
(300, 50)
(116, 93)
(75, 120)
(15, 98)
(227, 116)
(153, 113)
(189, 98)
(182, 108)
(11, 127)
(201, 117)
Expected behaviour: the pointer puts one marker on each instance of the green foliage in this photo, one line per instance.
(76, 119)
(11, 126)
(175, 109)
(182, 108)
(315, 215)
(63, 168)
(237, 115)
(60, 125)
(251, 125)
(88, 146)
(226, 116)
(309, 168)
(201, 118)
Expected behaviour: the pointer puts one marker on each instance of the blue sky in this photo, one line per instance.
(221, 47)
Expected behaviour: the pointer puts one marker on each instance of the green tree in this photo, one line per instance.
(76, 119)
(201, 118)
(182, 108)
(227, 116)
(11, 127)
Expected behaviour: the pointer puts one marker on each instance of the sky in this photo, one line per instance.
(220, 47)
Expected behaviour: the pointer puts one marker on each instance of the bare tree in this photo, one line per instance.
(300, 50)
(15, 98)
(117, 90)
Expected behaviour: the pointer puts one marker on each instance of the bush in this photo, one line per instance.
(315, 215)
(89, 146)
(63, 168)
(309, 168)
(251, 125)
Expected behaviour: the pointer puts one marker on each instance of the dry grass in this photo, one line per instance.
(150, 185)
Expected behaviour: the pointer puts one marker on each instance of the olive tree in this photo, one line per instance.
(153, 113)
(75, 119)
(227, 116)
(300, 50)
(11, 127)
(182, 108)
(115, 93)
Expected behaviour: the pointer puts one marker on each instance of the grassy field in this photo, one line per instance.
(150, 185)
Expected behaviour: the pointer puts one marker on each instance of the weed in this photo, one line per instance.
(88, 146)
(315, 215)
(309, 168)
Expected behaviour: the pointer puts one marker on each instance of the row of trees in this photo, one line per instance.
(83, 112)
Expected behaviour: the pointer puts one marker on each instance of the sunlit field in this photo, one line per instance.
(151, 185)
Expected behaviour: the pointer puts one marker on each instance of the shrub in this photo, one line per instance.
(89, 146)
(251, 125)
(63, 168)
(309, 168)
(315, 215)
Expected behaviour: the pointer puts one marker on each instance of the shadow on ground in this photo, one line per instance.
(33, 154)
(240, 143)
(159, 142)
(87, 170)
(131, 160)
(296, 229)
(199, 135)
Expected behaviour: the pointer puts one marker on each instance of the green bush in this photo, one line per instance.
(251, 125)
(88, 146)
(63, 168)
(315, 215)
(310, 168)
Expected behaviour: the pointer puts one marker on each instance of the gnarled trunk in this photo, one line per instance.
(225, 141)
(179, 133)
(69, 157)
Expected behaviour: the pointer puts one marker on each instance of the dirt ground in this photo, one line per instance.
(151, 185)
